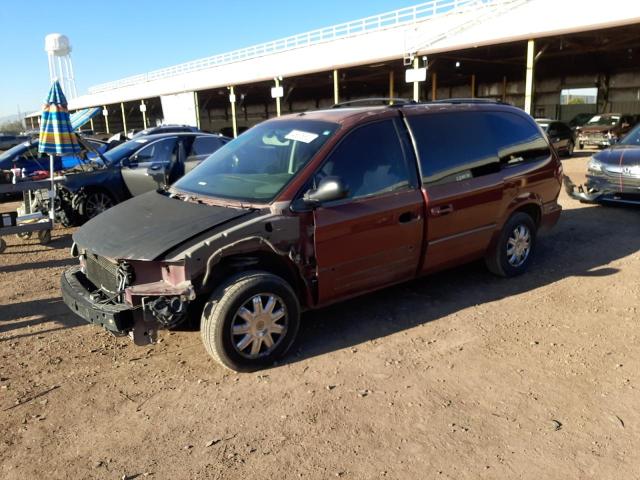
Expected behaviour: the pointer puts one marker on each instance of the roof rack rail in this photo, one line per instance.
(375, 100)
(467, 100)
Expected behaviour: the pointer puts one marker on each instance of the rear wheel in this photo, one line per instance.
(512, 253)
(250, 321)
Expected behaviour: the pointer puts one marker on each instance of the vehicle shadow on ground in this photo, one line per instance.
(583, 244)
(64, 262)
(16, 315)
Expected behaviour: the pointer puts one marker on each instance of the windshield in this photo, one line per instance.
(260, 162)
(604, 120)
(123, 150)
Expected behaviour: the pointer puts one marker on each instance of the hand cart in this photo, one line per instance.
(29, 220)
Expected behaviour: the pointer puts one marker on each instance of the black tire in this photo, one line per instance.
(221, 313)
(498, 261)
(44, 237)
(570, 148)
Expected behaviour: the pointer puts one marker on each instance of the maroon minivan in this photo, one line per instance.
(310, 209)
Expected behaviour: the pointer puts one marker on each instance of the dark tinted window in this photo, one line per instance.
(369, 161)
(205, 146)
(454, 146)
(162, 151)
(517, 139)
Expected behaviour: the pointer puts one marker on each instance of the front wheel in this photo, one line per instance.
(250, 321)
(512, 253)
(95, 203)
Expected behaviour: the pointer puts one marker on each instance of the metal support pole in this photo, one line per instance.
(277, 98)
(195, 101)
(91, 123)
(416, 85)
(504, 89)
(124, 119)
(336, 87)
(106, 118)
(473, 85)
(391, 85)
(434, 86)
(232, 100)
(528, 92)
(144, 115)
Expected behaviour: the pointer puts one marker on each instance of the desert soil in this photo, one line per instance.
(460, 375)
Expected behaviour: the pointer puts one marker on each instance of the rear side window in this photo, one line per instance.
(517, 140)
(454, 146)
(205, 146)
(370, 161)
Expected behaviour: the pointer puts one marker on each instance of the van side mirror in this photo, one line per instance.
(329, 189)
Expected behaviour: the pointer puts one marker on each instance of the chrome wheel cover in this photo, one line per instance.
(519, 246)
(259, 326)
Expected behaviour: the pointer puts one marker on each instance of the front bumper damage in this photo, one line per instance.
(149, 308)
(599, 193)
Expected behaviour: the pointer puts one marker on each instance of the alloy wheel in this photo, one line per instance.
(96, 203)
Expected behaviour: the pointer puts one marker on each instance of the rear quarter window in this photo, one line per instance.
(517, 139)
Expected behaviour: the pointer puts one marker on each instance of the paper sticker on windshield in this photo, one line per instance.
(300, 136)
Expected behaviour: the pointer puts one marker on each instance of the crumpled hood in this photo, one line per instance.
(149, 225)
(617, 155)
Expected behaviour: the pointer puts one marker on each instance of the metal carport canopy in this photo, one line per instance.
(531, 19)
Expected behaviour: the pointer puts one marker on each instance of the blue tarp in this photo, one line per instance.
(81, 117)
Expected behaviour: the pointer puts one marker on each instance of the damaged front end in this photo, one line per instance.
(598, 193)
(127, 297)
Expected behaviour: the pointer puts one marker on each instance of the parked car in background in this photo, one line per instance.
(165, 129)
(613, 175)
(579, 120)
(303, 211)
(131, 168)
(559, 134)
(605, 129)
(26, 156)
(8, 141)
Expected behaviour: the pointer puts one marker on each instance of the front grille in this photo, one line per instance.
(102, 273)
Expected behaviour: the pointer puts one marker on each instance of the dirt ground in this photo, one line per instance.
(460, 375)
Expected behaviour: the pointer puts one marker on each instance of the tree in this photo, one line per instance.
(11, 127)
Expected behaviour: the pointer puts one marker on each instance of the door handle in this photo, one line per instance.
(406, 217)
(442, 210)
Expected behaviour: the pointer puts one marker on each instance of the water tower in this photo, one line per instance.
(58, 50)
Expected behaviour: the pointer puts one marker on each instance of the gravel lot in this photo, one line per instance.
(460, 375)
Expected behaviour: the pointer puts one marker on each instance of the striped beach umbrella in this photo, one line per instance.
(56, 134)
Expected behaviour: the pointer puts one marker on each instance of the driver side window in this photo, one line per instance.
(163, 151)
(369, 161)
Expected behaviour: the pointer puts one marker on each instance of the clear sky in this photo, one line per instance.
(114, 39)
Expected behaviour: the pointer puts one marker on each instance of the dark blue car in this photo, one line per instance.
(26, 156)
